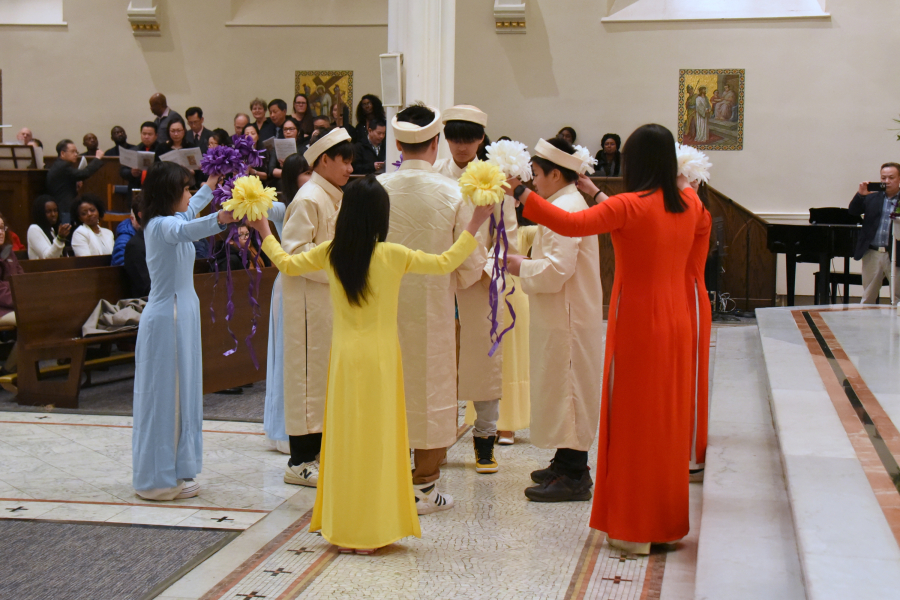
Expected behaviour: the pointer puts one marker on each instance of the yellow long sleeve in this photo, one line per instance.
(441, 264)
(295, 264)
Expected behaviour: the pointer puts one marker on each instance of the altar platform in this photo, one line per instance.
(833, 378)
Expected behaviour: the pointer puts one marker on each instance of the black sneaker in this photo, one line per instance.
(542, 475)
(562, 488)
(484, 454)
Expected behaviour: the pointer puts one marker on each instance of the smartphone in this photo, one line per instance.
(876, 186)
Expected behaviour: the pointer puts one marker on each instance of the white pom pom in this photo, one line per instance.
(692, 163)
(587, 161)
(512, 158)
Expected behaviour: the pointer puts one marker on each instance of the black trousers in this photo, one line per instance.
(572, 463)
(305, 447)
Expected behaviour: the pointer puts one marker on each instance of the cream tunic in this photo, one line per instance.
(308, 221)
(428, 214)
(565, 301)
(480, 375)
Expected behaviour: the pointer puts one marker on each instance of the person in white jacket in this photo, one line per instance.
(562, 280)
(90, 239)
(46, 237)
(480, 376)
(428, 214)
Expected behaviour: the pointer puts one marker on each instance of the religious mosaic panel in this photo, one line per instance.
(324, 89)
(711, 108)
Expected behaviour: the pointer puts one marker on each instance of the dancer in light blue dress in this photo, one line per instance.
(167, 441)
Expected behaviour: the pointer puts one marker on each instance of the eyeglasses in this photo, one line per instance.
(243, 235)
(4, 229)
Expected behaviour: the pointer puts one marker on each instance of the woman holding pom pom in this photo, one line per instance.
(659, 228)
(364, 497)
(167, 443)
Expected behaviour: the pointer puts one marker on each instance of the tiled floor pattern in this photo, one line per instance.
(492, 544)
(78, 468)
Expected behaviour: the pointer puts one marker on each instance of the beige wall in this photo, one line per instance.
(820, 95)
(93, 74)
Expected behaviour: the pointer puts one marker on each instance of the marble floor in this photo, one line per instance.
(792, 480)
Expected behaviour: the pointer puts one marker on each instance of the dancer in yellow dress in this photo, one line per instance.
(365, 497)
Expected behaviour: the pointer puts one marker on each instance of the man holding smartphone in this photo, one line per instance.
(876, 202)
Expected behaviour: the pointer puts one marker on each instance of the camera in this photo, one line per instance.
(876, 186)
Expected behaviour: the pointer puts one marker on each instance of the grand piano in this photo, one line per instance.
(831, 233)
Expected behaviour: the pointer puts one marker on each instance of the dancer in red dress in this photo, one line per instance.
(658, 232)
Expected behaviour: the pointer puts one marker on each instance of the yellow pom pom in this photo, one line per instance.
(482, 183)
(249, 198)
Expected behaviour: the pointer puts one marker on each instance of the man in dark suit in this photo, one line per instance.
(64, 174)
(135, 177)
(875, 239)
(197, 134)
(369, 155)
(277, 115)
(120, 139)
(159, 106)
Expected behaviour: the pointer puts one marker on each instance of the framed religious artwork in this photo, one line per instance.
(711, 108)
(324, 89)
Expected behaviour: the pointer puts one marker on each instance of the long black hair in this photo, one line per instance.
(39, 215)
(362, 222)
(377, 109)
(294, 166)
(162, 189)
(649, 164)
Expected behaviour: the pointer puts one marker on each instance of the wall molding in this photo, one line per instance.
(649, 11)
(309, 25)
(784, 217)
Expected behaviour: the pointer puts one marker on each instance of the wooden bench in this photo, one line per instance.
(65, 263)
(51, 308)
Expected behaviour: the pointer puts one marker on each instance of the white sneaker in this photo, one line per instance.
(303, 474)
(506, 438)
(190, 489)
(429, 499)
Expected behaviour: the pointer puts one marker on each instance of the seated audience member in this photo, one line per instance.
(134, 256)
(119, 139)
(609, 159)
(25, 137)
(253, 132)
(64, 174)
(233, 256)
(46, 235)
(369, 108)
(294, 174)
(159, 106)
(149, 143)
(9, 266)
(322, 125)
(90, 239)
(219, 137)
(291, 131)
(124, 232)
(258, 110)
(277, 115)
(177, 131)
(340, 116)
(369, 155)
(198, 134)
(241, 120)
(504, 138)
(91, 145)
(303, 117)
(568, 134)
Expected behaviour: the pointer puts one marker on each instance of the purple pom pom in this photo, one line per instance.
(222, 160)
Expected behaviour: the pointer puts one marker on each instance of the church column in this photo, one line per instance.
(424, 32)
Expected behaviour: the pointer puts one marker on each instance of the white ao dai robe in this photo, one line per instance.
(480, 375)
(566, 335)
(308, 221)
(428, 214)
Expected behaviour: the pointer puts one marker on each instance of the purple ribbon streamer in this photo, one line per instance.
(498, 279)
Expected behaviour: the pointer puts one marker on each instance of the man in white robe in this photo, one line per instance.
(562, 280)
(308, 222)
(480, 376)
(428, 213)
(704, 110)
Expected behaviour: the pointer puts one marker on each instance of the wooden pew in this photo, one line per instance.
(18, 189)
(66, 263)
(51, 307)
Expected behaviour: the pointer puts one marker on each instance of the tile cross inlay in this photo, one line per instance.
(220, 519)
(278, 571)
(17, 509)
(881, 449)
